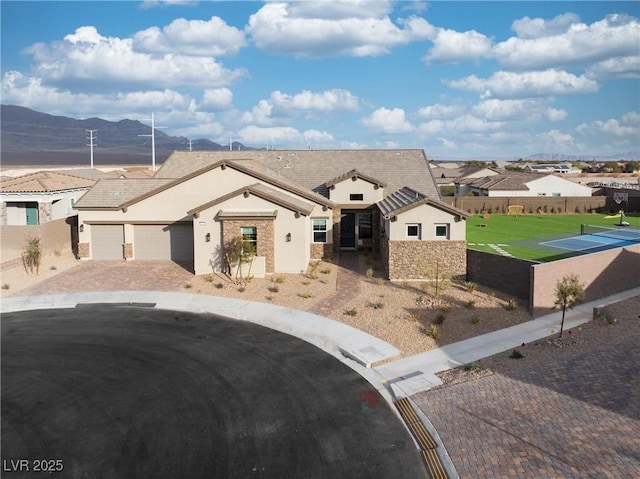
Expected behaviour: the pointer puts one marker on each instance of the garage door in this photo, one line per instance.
(107, 241)
(163, 242)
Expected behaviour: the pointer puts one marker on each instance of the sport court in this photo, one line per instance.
(117, 391)
(597, 238)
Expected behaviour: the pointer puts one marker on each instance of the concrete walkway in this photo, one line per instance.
(409, 376)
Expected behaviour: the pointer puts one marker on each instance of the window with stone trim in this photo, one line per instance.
(250, 235)
(320, 231)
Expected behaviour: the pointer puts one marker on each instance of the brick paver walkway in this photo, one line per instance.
(577, 417)
(347, 286)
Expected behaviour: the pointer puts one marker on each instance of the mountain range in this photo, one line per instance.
(29, 137)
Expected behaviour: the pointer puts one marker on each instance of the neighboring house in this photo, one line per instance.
(40, 197)
(564, 168)
(293, 206)
(448, 176)
(520, 184)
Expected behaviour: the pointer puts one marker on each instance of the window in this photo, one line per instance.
(413, 231)
(356, 197)
(319, 231)
(442, 231)
(250, 235)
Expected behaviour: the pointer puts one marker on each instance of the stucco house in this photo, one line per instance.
(520, 184)
(293, 206)
(40, 197)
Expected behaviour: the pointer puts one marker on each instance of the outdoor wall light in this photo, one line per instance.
(81, 228)
(288, 238)
(207, 237)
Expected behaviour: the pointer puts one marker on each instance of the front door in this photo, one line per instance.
(32, 213)
(348, 231)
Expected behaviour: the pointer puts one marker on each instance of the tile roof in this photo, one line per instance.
(510, 182)
(350, 175)
(44, 182)
(406, 198)
(312, 169)
(112, 193)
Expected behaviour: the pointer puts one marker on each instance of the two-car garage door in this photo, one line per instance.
(163, 242)
(172, 242)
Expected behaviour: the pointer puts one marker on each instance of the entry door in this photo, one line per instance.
(348, 230)
(32, 213)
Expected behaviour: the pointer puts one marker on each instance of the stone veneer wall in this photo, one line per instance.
(321, 250)
(84, 250)
(3, 213)
(44, 212)
(416, 259)
(128, 250)
(264, 227)
(337, 216)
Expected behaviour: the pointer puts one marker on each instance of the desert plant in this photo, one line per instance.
(377, 305)
(470, 304)
(278, 279)
(611, 319)
(312, 276)
(470, 286)
(305, 295)
(219, 285)
(188, 286)
(323, 281)
(569, 292)
(53, 267)
(273, 289)
(515, 354)
(32, 255)
(434, 332)
(350, 312)
(445, 307)
(325, 271)
(413, 317)
(511, 305)
(237, 253)
(5, 286)
(369, 273)
(471, 366)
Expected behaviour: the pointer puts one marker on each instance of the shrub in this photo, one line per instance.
(445, 307)
(241, 289)
(306, 283)
(470, 304)
(326, 271)
(53, 267)
(305, 295)
(470, 286)
(515, 354)
(323, 281)
(376, 305)
(278, 279)
(312, 276)
(5, 286)
(369, 273)
(439, 319)
(611, 319)
(511, 305)
(188, 286)
(350, 312)
(219, 285)
(471, 366)
(413, 317)
(273, 289)
(434, 332)
(32, 255)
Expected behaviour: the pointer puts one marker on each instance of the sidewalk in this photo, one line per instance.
(409, 376)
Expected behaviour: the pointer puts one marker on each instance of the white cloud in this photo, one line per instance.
(440, 111)
(388, 121)
(450, 46)
(505, 84)
(191, 37)
(328, 100)
(157, 3)
(623, 68)
(217, 99)
(447, 144)
(539, 27)
(554, 114)
(101, 63)
(284, 136)
(580, 45)
(260, 114)
(318, 29)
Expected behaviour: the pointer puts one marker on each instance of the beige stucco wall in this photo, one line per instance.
(427, 216)
(288, 257)
(370, 193)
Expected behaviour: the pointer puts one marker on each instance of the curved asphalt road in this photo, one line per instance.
(118, 392)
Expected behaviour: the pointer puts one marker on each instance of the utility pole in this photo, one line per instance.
(153, 140)
(91, 143)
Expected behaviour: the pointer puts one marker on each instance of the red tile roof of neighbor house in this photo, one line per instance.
(44, 182)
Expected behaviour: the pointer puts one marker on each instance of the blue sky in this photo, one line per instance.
(457, 79)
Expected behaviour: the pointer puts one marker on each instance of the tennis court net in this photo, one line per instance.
(622, 233)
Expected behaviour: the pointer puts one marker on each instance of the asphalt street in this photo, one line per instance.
(118, 391)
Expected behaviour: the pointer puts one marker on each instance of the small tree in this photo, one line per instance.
(569, 292)
(32, 255)
(238, 252)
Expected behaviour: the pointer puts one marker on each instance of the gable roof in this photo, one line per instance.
(114, 193)
(503, 182)
(312, 169)
(44, 182)
(406, 199)
(354, 175)
(258, 189)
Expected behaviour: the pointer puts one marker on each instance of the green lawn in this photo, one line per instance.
(521, 233)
